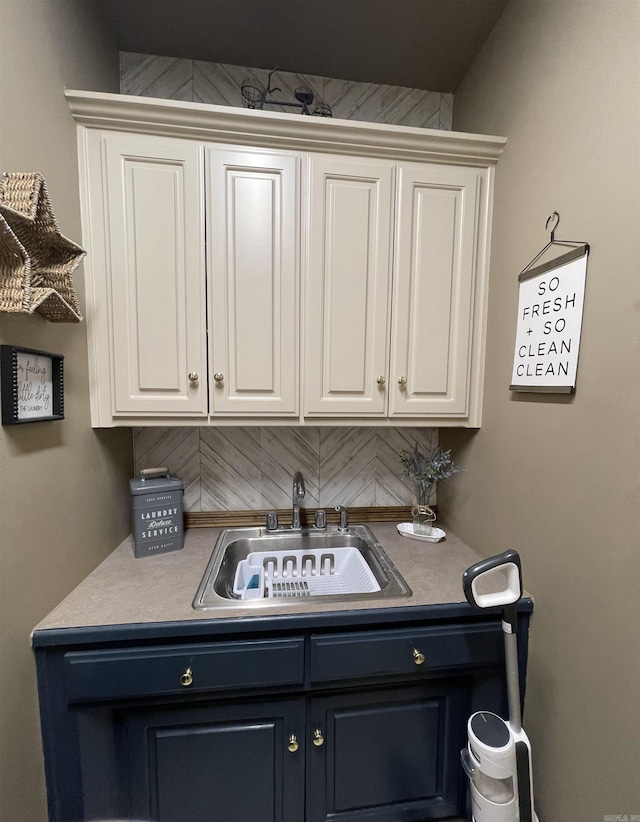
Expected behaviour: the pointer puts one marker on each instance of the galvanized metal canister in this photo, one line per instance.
(156, 512)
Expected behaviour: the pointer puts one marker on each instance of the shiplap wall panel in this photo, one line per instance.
(148, 75)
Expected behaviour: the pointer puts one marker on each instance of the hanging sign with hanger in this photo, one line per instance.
(551, 299)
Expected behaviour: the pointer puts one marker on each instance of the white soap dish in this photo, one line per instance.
(405, 529)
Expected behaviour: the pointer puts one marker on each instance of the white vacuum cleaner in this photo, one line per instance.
(497, 758)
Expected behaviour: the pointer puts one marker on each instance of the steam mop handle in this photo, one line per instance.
(510, 562)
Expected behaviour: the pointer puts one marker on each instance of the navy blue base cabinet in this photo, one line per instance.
(340, 717)
(227, 762)
(388, 755)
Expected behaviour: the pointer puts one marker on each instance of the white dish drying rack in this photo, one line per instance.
(317, 572)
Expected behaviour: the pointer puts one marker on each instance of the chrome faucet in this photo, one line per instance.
(344, 525)
(298, 494)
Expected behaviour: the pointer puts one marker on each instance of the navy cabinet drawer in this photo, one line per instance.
(180, 669)
(406, 651)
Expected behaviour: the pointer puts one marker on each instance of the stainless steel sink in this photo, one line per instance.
(297, 565)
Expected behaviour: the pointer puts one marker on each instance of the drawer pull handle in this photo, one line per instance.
(318, 739)
(293, 743)
(418, 658)
(187, 678)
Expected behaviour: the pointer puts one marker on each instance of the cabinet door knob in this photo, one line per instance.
(194, 376)
(187, 678)
(318, 739)
(293, 743)
(402, 380)
(381, 380)
(418, 658)
(218, 377)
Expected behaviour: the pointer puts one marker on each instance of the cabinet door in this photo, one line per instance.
(156, 277)
(347, 286)
(224, 763)
(389, 755)
(434, 271)
(253, 257)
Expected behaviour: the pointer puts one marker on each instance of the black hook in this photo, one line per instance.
(271, 73)
(557, 223)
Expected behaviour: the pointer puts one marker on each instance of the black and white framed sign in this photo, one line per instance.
(551, 299)
(32, 386)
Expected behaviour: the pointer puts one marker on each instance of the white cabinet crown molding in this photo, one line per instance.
(173, 118)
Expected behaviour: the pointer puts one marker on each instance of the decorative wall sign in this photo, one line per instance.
(32, 385)
(550, 306)
(549, 322)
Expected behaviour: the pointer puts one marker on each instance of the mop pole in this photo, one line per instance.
(523, 764)
(509, 630)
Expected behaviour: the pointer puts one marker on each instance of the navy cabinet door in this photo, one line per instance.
(391, 755)
(220, 763)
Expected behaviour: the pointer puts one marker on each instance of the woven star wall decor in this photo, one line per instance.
(36, 260)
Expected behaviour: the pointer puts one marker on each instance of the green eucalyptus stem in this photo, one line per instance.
(424, 470)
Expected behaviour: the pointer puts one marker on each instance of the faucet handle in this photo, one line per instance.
(272, 521)
(344, 525)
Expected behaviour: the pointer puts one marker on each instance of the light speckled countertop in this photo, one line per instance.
(160, 589)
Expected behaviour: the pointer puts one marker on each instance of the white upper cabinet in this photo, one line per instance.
(257, 268)
(390, 338)
(347, 285)
(253, 265)
(147, 270)
(438, 221)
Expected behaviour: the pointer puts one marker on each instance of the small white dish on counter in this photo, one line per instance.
(405, 529)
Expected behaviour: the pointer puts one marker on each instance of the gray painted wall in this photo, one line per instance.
(557, 478)
(50, 472)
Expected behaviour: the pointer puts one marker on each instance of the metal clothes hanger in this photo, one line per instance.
(578, 249)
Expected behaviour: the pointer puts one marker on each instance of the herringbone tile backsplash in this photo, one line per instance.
(195, 81)
(232, 469)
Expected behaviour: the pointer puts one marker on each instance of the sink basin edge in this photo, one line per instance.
(236, 544)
